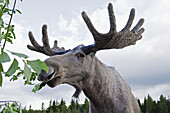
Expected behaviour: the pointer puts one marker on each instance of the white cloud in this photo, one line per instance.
(145, 65)
(154, 91)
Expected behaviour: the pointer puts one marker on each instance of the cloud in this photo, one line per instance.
(155, 91)
(148, 61)
(145, 66)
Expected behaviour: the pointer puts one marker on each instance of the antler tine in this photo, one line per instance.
(45, 39)
(114, 39)
(138, 25)
(57, 50)
(36, 46)
(33, 41)
(90, 26)
(126, 37)
(130, 21)
(45, 49)
(112, 19)
(100, 39)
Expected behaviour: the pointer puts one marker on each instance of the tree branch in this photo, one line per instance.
(9, 25)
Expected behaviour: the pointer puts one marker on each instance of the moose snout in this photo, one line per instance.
(44, 76)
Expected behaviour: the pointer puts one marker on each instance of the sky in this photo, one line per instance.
(145, 66)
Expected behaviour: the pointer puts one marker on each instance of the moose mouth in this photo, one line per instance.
(53, 81)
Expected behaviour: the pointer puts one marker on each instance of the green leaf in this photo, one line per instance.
(21, 55)
(9, 40)
(14, 78)
(37, 87)
(4, 57)
(0, 79)
(12, 69)
(7, 2)
(1, 68)
(33, 76)
(1, 13)
(13, 34)
(38, 65)
(27, 72)
(18, 11)
(27, 82)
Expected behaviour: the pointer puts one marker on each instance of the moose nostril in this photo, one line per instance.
(41, 75)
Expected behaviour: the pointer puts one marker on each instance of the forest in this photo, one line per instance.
(60, 107)
(148, 105)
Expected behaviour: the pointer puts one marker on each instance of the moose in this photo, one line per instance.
(80, 68)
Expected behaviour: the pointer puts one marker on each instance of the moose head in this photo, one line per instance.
(79, 67)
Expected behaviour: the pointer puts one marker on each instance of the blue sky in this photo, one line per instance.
(145, 66)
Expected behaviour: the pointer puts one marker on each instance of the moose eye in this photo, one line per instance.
(80, 55)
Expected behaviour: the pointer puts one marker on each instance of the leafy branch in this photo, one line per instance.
(31, 68)
(9, 24)
(11, 106)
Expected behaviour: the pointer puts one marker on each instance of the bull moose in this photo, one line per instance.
(79, 67)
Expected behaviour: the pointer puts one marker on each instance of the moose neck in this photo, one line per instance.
(98, 87)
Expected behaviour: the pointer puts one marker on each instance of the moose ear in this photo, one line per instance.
(80, 54)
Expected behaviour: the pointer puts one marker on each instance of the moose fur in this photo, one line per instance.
(103, 85)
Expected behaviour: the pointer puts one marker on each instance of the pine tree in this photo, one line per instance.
(163, 107)
(42, 106)
(30, 109)
(51, 111)
(154, 107)
(149, 104)
(140, 105)
(85, 107)
(143, 106)
(72, 105)
(168, 104)
(62, 106)
(50, 103)
(86, 102)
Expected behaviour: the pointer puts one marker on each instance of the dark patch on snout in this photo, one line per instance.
(52, 83)
(51, 75)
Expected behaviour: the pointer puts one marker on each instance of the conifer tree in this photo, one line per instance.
(163, 107)
(62, 106)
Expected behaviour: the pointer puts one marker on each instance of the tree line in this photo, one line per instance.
(147, 106)
(151, 106)
(60, 107)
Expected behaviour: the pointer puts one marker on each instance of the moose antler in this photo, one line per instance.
(45, 49)
(113, 39)
(110, 40)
